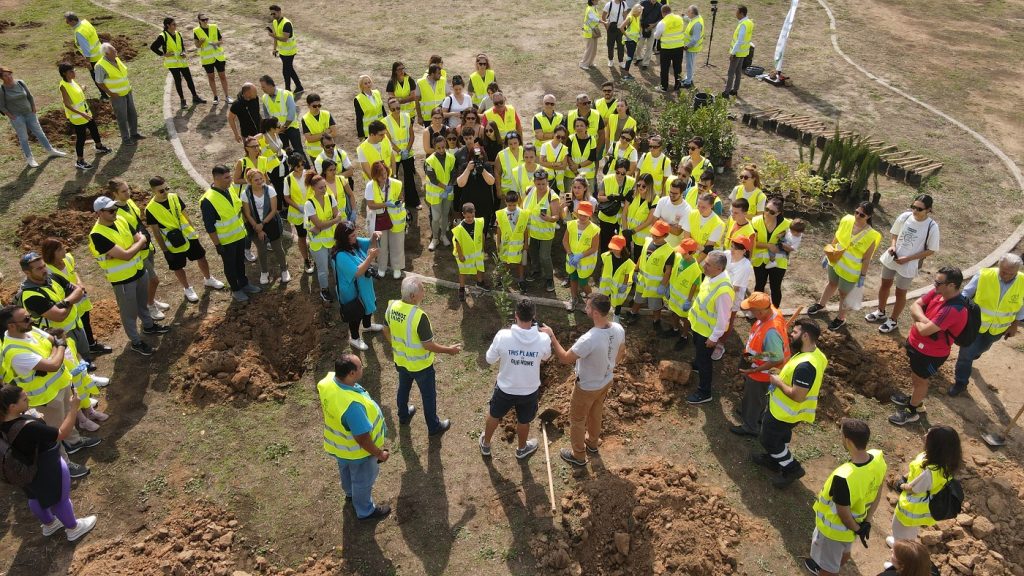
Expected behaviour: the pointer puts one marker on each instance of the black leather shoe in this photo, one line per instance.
(741, 431)
(444, 427)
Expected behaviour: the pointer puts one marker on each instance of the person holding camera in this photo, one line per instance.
(614, 195)
(477, 185)
(353, 259)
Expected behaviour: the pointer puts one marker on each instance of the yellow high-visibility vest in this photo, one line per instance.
(371, 155)
(743, 35)
(759, 257)
(402, 319)
(334, 401)
(674, 33)
(430, 96)
(784, 408)
(120, 234)
(133, 216)
(68, 273)
(689, 31)
(604, 107)
(172, 219)
(287, 47)
(703, 316)
(611, 189)
(472, 247)
(547, 124)
(550, 153)
(639, 210)
(443, 172)
(277, 106)
(479, 85)
(541, 229)
(912, 509)
(505, 123)
(53, 292)
(702, 233)
(372, 107)
(315, 125)
(229, 216)
(998, 313)
(863, 482)
(174, 51)
(324, 239)
(88, 31)
(659, 168)
(582, 155)
(41, 387)
(756, 199)
(513, 237)
(398, 214)
(615, 283)
(651, 268)
(579, 242)
(211, 50)
(632, 31)
(117, 76)
(77, 97)
(508, 162)
(593, 122)
(680, 284)
(733, 231)
(298, 194)
(849, 266)
(400, 131)
(402, 89)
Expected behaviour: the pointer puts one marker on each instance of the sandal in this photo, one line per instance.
(888, 326)
(876, 316)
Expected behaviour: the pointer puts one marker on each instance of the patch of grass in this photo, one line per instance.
(154, 486)
(195, 484)
(275, 451)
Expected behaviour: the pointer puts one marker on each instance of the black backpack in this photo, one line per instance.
(969, 334)
(12, 470)
(946, 503)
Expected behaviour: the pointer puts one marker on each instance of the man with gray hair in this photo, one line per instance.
(709, 319)
(408, 330)
(112, 78)
(999, 292)
(87, 41)
(694, 42)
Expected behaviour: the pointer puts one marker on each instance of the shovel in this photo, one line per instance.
(546, 417)
(999, 439)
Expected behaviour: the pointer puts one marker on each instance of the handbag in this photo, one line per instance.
(382, 222)
(175, 236)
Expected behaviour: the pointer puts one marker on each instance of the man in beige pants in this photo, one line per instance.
(595, 354)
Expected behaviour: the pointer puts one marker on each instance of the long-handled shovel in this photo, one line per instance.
(999, 439)
(546, 417)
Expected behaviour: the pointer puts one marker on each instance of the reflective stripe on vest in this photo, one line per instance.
(580, 156)
(508, 163)
(552, 154)
(174, 51)
(69, 274)
(505, 123)
(371, 155)
(472, 247)
(580, 242)
(998, 312)
(540, 229)
(443, 173)
(742, 36)
(863, 482)
(402, 319)
(324, 239)
(912, 509)
(632, 32)
(133, 216)
(287, 47)
(732, 231)
(117, 76)
(755, 343)
(616, 283)
(702, 233)
(689, 33)
(88, 31)
(646, 165)
(398, 214)
(652, 268)
(77, 97)
(760, 256)
(53, 292)
(210, 51)
(334, 401)
(785, 409)
(637, 214)
(548, 125)
(754, 198)
(613, 189)
(593, 122)
(430, 96)
(480, 85)
(673, 34)
(116, 270)
(680, 285)
(849, 266)
(229, 216)
(400, 131)
(170, 220)
(298, 194)
(315, 125)
(372, 107)
(703, 316)
(513, 238)
(270, 159)
(402, 89)
(41, 387)
(277, 106)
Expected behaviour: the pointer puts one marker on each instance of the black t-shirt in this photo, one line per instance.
(150, 220)
(248, 113)
(804, 375)
(305, 129)
(39, 303)
(36, 435)
(840, 491)
(104, 245)
(582, 144)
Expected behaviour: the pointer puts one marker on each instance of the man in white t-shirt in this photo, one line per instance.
(914, 237)
(675, 211)
(520, 349)
(595, 354)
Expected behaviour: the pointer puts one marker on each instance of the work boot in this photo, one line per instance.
(789, 475)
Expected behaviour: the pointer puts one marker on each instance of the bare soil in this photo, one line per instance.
(72, 223)
(59, 131)
(5, 24)
(127, 50)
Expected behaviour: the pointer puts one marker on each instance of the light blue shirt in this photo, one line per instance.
(744, 35)
(972, 289)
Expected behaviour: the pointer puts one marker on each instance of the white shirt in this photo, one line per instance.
(910, 239)
(617, 12)
(450, 104)
(259, 200)
(598, 351)
(740, 273)
(310, 210)
(716, 234)
(674, 214)
(520, 353)
(24, 363)
(360, 157)
(792, 241)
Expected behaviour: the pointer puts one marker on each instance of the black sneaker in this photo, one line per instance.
(412, 412)
(326, 296)
(762, 459)
(442, 428)
(98, 348)
(569, 457)
(531, 277)
(76, 470)
(900, 399)
(956, 389)
(142, 348)
(698, 398)
(462, 293)
(814, 309)
(198, 100)
(83, 442)
(905, 415)
(102, 148)
(156, 328)
(812, 566)
(184, 104)
(307, 266)
(216, 100)
(379, 512)
(82, 165)
(836, 324)
(549, 286)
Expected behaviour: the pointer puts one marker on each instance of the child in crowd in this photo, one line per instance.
(683, 284)
(617, 269)
(790, 243)
(652, 274)
(512, 237)
(468, 237)
(582, 242)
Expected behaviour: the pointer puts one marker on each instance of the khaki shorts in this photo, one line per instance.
(828, 553)
(902, 282)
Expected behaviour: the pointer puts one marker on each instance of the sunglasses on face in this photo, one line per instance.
(940, 283)
(627, 139)
(501, 103)
(860, 214)
(692, 148)
(703, 186)
(315, 105)
(204, 19)
(918, 208)
(617, 173)
(772, 212)
(549, 103)
(164, 189)
(481, 63)
(745, 177)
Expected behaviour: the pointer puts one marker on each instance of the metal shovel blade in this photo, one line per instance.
(994, 440)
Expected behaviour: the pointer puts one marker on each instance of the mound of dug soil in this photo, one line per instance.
(71, 223)
(255, 351)
(58, 130)
(127, 50)
(654, 518)
(200, 540)
(873, 367)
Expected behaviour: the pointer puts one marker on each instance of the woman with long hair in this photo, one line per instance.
(275, 158)
(481, 78)
(263, 223)
(77, 111)
(470, 118)
(295, 196)
(853, 247)
(402, 87)
(631, 29)
(640, 214)
(337, 185)
(322, 215)
(770, 258)
(749, 188)
(353, 259)
(437, 127)
(385, 212)
(171, 47)
(456, 103)
(928, 473)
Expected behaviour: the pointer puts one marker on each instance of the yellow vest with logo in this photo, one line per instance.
(88, 31)
(612, 189)
(298, 194)
(172, 219)
(680, 284)
(398, 214)
(849, 266)
(430, 96)
(639, 210)
(659, 168)
(69, 274)
(472, 247)
(615, 284)
(582, 155)
(117, 76)
(41, 387)
(674, 33)
(784, 408)
(77, 97)
(335, 400)
(505, 123)
(513, 238)
(593, 122)
(372, 107)
(210, 51)
(229, 216)
(863, 482)
(703, 316)
(400, 131)
(121, 235)
(315, 125)
(277, 106)
(997, 314)
(548, 124)
(402, 89)
(733, 231)
(409, 353)
(689, 31)
(747, 36)
(541, 229)
(324, 239)
(174, 51)
(580, 242)
(913, 509)
(508, 162)
(55, 293)
(479, 85)
(651, 268)
(443, 173)
(702, 233)
(759, 256)
(287, 47)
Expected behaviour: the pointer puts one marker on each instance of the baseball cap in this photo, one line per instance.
(29, 258)
(687, 246)
(618, 242)
(746, 241)
(659, 228)
(102, 203)
(585, 208)
(756, 301)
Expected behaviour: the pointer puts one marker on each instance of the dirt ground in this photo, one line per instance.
(211, 462)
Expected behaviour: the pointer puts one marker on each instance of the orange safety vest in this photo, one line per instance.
(755, 342)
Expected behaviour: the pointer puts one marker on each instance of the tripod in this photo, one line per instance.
(711, 37)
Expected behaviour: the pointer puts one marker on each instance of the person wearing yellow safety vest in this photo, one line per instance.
(275, 156)
(285, 47)
(621, 133)
(554, 157)
(683, 284)
(62, 264)
(510, 158)
(263, 224)
(616, 188)
(653, 272)
(749, 189)
(439, 170)
(112, 78)
(847, 501)
(705, 226)
(656, 163)
(581, 242)
(740, 274)
(584, 153)
(695, 153)
(480, 78)
(545, 121)
(118, 251)
(502, 115)
(354, 434)
(591, 31)
(928, 474)
(436, 59)
(431, 90)
(738, 51)
(512, 237)
(767, 348)
(399, 128)
(468, 237)
(522, 175)
(999, 292)
(170, 45)
(208, 39)
(671, 31)
(617, 271)
(87, 42)
(792, 399)
(166, 213)
(222, 220)
(771, 251)
(605, 105)
(407, 329)
(385, 212)
(694, 43)
(597, 127)
(53, 301)
(640, 215)
(709, 319)
(541, 203)
(77, 111)
(631, 29)
(376, 148)
(737, 225)
(853, 247)
(130, 212)
(280, 104)
(316, 124)
(369, 106)
(321, 214)
(403, 87)
(34, 361)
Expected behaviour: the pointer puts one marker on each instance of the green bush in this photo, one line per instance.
(679, 122)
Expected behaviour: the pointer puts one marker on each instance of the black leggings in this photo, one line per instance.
(80, 134)
(614, 42)
(773, 277)
(87, 326)
(412, 196)
(178, 74)
(353, 326)
(288, 71)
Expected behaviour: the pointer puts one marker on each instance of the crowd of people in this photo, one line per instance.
(635, 230)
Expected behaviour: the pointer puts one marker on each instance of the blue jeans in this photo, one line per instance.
(23, 123)
(426, 381)
(357, 478)
(691, 63)
(965, 361)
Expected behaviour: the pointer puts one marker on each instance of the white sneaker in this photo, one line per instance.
(191, 295)
(54, 153)
(381, 273)
(212, 282)
(718, 352)
(161, 305)
(84, 526)
(445, 242)
(52, 527)
(100, 381)
(374, 328)
(611, 63)
(93, 403)
(358, 344)
(889, 540)
(86, 425)
(432, 245)
(31, 162)
(155, 313)
(264, 277)
(396, 274)
(623, 65)
(250, 256)
(286, 277)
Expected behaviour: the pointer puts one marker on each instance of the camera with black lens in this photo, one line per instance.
(478, 161)
(371, 271)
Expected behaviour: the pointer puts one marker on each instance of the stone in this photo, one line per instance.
(980, 460)
(225, 540)
(931, 537)
(622, 543)
(673, 371)
(982, 528)
(240, 573)
(186, 556)
(627, 398)
(965, 520)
